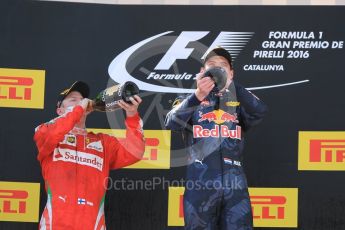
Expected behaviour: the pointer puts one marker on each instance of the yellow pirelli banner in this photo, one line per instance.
(22, 88)
(157, 147)
(272, 207)
(19, 201)
(321, 151)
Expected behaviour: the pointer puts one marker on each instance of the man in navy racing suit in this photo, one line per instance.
(213, 123)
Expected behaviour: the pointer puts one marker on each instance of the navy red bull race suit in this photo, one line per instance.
(213, 131)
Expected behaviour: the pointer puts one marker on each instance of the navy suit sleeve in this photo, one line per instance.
(253, 109)
(183, 108)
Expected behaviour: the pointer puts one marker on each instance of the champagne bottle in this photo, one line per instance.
(107, 100)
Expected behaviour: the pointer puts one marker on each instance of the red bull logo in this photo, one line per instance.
(217, 131)
(227, 117)
(218, 117)
(210, 116)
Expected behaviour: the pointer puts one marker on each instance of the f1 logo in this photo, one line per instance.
(182, 47)
(178, 49)
(19, 201)
(22, 88)
(321, 151)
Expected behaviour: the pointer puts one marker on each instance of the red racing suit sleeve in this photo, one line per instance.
(48, 135)
(128, 150)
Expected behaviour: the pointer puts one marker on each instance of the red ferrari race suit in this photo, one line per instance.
(75, 166)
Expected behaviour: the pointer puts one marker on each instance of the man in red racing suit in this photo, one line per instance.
(76, 163)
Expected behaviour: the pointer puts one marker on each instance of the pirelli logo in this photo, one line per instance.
(19, 201)
(321, 151)
(272, 207)
(157, 147)
(22, 88)
(175, 206)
